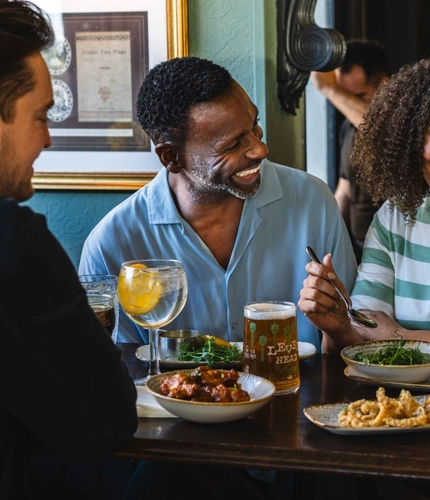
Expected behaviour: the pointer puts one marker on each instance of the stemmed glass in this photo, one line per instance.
(152, 293)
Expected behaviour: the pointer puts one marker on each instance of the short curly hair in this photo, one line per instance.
(24, 31)
(170, 90)
(389, 145)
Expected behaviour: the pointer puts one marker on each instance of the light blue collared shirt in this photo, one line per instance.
(290, 211)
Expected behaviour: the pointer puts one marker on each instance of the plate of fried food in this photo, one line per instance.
(384, 415)
(209, 395)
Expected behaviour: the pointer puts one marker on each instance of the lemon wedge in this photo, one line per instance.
(139, 292)
(218, 340)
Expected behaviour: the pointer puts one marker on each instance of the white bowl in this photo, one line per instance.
(259, 389)
(392, 373)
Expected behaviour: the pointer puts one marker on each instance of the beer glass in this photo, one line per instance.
(102, 296)
(270, 344)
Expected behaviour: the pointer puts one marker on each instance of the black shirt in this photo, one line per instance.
(62, 382)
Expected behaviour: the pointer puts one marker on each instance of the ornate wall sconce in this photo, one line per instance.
(302, 47)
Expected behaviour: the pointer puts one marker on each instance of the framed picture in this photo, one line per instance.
(102, 52)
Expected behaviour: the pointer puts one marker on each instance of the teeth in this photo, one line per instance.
(244, 173)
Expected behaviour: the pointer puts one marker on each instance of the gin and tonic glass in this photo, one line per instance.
(152, 293)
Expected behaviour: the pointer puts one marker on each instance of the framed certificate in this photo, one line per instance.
(97, 64)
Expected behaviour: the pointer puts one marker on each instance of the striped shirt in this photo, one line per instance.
(394, 276)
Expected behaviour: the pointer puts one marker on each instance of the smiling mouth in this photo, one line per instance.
(246, 173)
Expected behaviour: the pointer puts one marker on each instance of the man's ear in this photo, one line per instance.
(169, 156)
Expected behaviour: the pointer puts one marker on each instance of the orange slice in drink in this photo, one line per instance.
(139, 292)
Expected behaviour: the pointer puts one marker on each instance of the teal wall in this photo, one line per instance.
(238, 34)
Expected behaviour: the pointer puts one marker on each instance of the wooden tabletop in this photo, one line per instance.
(279, 436)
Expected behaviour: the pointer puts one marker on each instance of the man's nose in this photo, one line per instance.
(48, 141)
(257, 149)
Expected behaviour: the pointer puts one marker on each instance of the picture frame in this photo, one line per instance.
(97, 142)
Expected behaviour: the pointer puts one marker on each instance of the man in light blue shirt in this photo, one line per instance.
(238, 223)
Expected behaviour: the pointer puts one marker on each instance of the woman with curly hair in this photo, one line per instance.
(391, 156)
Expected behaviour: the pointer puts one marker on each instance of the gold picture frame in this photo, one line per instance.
(176, 46)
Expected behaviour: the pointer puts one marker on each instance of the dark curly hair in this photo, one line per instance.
(389, 145)
(24, 31)
(171, 88)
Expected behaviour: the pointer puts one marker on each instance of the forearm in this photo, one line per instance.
(343, 198)
(352, 107)
(333, 343)
(395, 333)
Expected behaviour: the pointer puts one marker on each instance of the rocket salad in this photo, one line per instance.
(394, 354)
(208, 349)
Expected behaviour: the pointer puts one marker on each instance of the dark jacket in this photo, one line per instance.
(62, 383)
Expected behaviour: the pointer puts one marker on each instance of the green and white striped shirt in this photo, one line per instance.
(394, 276)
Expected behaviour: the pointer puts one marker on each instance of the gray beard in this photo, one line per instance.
(204, 190)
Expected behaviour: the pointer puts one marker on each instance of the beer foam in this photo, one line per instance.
(270, 310)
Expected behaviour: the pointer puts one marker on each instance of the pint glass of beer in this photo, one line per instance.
(270, 345)
(103, 298)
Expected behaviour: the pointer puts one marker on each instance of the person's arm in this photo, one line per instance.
(343, 198)
(388, 329)
(322, 305)
(351, 106)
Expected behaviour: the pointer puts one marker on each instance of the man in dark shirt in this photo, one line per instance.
(350, 88)
(62, 383)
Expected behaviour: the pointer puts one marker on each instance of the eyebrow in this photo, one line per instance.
(47, 106)
(257, 114)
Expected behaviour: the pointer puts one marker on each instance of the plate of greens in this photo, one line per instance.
(400, 361)
(219, 356)
(201, 350)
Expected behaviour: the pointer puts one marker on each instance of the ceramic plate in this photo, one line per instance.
(411, 374)
(306, 350)
(325, 416)
(358, 377)
(259, 389)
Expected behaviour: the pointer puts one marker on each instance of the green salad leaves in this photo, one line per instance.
(394, 354)
(203, 349)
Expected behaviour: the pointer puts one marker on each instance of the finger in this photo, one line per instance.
(328, 263)
(320, 292)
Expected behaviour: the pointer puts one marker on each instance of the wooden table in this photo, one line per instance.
(280, 437)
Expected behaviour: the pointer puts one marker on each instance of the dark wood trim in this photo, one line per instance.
(302, 47)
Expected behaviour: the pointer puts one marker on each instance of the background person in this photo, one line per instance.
(238, 223)
(392, 157)
(62, 383)
(350, 88)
